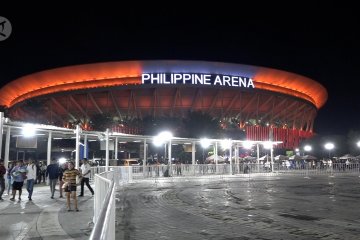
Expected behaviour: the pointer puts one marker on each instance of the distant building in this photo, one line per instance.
(264, 102)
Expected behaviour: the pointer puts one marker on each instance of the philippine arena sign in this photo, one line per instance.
(197, 79)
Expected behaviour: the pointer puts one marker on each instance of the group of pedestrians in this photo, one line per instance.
(66, 174)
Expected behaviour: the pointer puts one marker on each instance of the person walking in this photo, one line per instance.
(85, 172)
(62, 168)
(2, 179)
(9, 177)
(52, 171)
(31, 177)
(43, 169)
(69, 178)
(19, 175)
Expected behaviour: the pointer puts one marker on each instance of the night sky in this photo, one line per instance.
(320, 42)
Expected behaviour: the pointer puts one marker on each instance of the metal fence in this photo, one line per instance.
(129, 173)
(104, 207)
(105, 182)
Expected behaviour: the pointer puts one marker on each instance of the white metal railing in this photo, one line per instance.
(104, 207)
(128, 173)
(105, 182)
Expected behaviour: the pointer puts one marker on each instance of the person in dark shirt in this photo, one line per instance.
(53, 172)
(2, 179)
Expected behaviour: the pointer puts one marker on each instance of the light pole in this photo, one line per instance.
(227, 144)
(205, 143)
(164, 138)
(329, 147)
(269, 145)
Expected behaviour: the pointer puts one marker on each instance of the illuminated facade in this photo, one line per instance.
(260, 100)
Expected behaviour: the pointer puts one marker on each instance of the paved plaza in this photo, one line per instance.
(260, 207)
(44, 218)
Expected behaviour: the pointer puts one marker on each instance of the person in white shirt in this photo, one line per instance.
(31, 176)
(85, 172)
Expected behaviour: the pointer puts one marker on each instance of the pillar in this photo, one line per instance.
(49, 149)
(77, 146)
(107, 151)
(7, 147)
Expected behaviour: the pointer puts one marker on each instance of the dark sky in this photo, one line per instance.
(320, 42)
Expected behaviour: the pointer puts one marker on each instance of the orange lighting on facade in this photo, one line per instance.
(113, 74)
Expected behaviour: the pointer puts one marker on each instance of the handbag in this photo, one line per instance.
(78, 180)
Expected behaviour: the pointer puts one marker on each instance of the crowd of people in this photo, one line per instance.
(28, 172)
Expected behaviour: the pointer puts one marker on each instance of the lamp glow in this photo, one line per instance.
(205, 143)
(307, 148)
(226, 143)
(329, 146)
(162, 137)
(267, 145)
(28, 130)
(62, 160)
(247, 144)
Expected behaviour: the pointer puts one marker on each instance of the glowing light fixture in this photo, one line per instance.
(267, 145)
(329, 146)
(247, 144)
(307, 148)
(226, 143)
(62, 160)
(205, 143)
(28, 130)
(162, 137)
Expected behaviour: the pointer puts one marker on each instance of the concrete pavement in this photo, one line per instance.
(45, 218)
(272, 207)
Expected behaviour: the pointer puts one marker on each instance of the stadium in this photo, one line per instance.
(265, 103)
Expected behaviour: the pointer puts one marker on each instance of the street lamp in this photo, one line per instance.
(329, 146)
(28, 130)
(269, 145)
(163, 138)
(247, 144)
(307, 148)
(358, 143)
(205, 143)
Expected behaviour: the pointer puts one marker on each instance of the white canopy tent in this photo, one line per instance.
(211, 158)
(295, 157)
(281, 157)
(347, 157)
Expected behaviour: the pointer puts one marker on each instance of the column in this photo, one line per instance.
(272, 157)
(116, 147)
(77, 146)
(85, 147)
(257, 157)
(193, 154)
(107, 151)
(230, 156)
(237, 158)
(7, 147)
(216, 157)
(49, 149)
(170, 169)
(145, 154)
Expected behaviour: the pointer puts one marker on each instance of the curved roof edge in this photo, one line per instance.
(108, 74)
